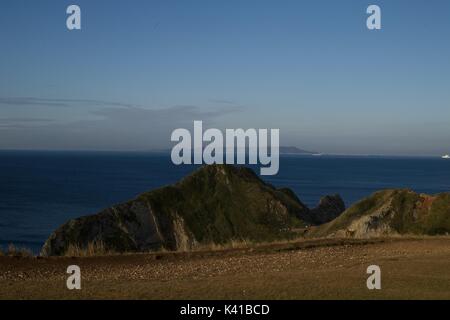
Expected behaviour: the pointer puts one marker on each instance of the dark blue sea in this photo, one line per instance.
(41, 190)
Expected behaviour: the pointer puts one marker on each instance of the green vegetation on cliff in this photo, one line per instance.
(219, 203)
(214, 205)
(393, 212)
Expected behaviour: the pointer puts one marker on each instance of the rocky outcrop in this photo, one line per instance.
(215, 204)
(389, 213)
(329, 208)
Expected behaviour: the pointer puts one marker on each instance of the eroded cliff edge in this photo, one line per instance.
(214, 205)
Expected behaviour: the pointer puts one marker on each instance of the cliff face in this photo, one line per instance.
(215, 204)
(392, 212)
(329, 208)
(220, 203)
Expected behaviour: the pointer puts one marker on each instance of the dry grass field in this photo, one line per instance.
(413, 268)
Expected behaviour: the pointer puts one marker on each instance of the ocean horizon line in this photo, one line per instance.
(167, 151)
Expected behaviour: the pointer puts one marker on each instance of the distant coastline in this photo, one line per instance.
(284, 151)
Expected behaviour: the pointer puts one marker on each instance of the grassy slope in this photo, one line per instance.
(217, 203)
(220, 203)
(409, 213)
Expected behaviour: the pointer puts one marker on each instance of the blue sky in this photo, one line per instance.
(139, 69)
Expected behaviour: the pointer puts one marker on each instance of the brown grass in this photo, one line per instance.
(98, 249)
(233, 244)
(93, 249)
(14, 251)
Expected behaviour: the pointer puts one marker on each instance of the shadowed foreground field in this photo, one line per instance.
(316, 269)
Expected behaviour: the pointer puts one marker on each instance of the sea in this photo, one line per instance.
(40, 190)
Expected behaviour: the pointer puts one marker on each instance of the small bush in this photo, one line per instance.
(14, 251)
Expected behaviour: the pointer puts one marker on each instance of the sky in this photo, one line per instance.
(137, 70)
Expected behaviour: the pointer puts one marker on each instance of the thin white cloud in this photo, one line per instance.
(113, 127)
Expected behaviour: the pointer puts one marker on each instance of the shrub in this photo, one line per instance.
(14, 251)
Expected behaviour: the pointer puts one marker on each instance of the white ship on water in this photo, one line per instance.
(446, 156)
